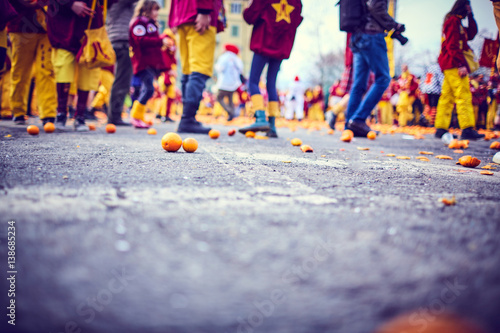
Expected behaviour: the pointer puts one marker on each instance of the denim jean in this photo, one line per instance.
(192, 87)
(370, 54)
(147, 77)
(258, 63)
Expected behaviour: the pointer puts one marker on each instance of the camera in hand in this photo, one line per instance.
(398, 36)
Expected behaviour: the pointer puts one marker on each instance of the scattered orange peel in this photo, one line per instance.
(403, 158)
(449, 202)
(426, 153)
(444, 157)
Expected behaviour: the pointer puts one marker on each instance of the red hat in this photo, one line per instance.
(296, 78)
(232, 48)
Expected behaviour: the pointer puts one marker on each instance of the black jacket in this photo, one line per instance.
(379, 20)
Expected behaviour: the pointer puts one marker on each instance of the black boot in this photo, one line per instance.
(332, 121)
(272, 128)
(359, 128)
(90, 114)
(71, 111)
(470, 134)
(48, 120)
(188, 123)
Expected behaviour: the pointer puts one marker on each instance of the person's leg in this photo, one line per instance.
(221, 98)
(3, 46)
(376, 58)
(231, 106)
(261, 124)
(490, 116)
(360, 81)
(446, 104)
(88, 80)
(138, 111)
(5, 109)
(273, 106)
(198, 50)
(64, 69)
(121, 84)
(433, 102)
(45, 80)
(24, 48)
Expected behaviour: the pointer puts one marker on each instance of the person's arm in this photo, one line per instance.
(253, 12)
(472, 28)
(378, 10)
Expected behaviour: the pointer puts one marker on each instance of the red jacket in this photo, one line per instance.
(185, 11)
(275, 24)
(7, 13)
(65, 29)
(146, 45)
(454, 42)
(27, 20)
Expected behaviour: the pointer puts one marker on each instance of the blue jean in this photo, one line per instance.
(192, 87)
(370, 54)
(147, 77)
(258, 63)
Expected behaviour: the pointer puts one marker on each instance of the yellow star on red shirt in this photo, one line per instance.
(283, 10)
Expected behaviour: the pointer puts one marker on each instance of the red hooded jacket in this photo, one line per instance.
(275, 24)
(146, 45)
(454, 42)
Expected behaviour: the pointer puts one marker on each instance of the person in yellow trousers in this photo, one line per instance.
(5, 109)
(385, 108)
(66, 43)
(317, 105)
(456, 88)
(31, 47)
(101, 99)
(407, 94)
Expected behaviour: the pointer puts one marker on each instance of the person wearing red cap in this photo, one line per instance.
(275, 24)
(229, 68)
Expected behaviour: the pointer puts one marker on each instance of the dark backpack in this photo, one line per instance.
(353, 15)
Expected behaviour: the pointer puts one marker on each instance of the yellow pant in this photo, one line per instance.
(3, 38)
(405, 108)
(30, 50)
(67, 69)
(386, 112)
(197, 51)
(104, 92)
(490, 116)
(455, 90)
(5, 110)
(316, 112)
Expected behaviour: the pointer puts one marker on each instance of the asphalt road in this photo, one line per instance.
(113, 234)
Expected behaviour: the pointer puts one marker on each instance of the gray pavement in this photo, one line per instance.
(113, 234)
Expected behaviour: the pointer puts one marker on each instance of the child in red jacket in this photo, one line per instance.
(147, 55)
(275, 24)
